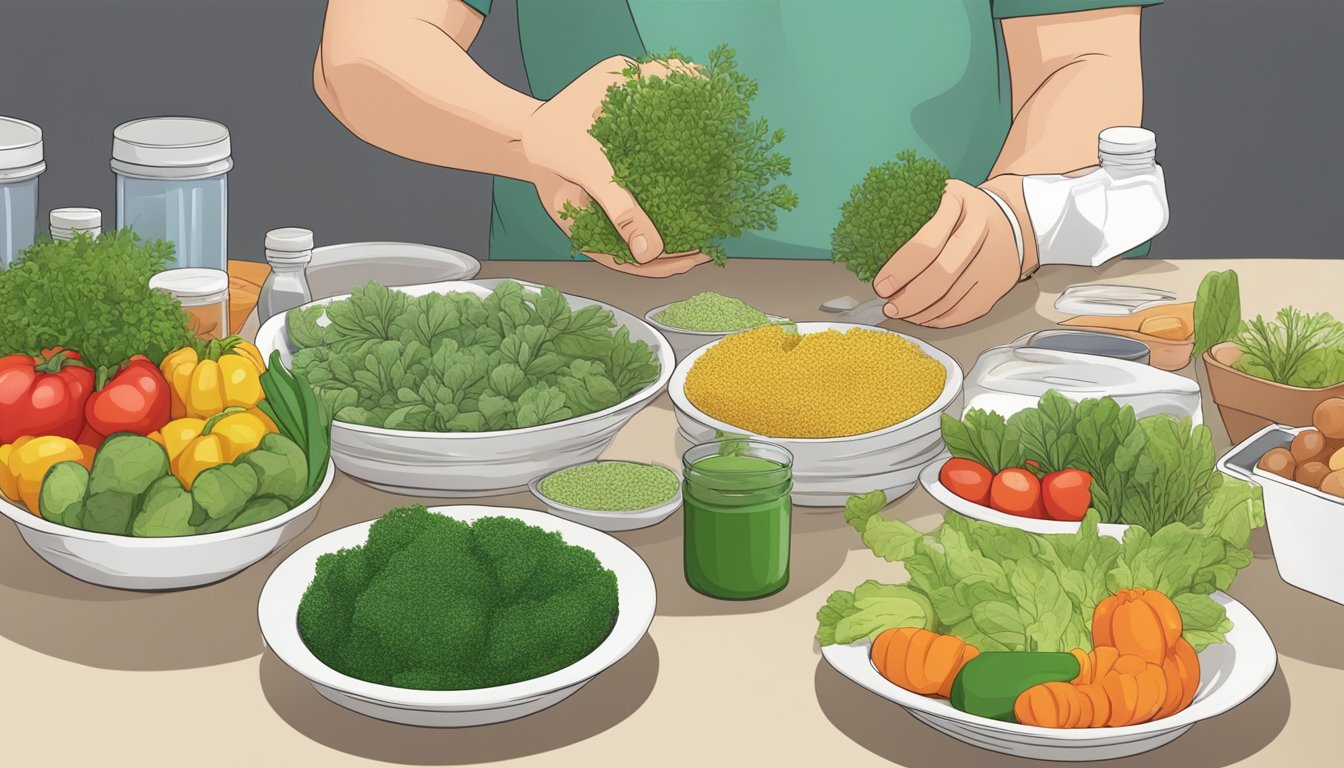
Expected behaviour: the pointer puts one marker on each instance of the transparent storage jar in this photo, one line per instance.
(21, 163)
(204, 295)
(172, 184)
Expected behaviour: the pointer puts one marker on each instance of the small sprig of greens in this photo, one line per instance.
(885, 210)
(687, 148)
(92, 295)
(1296, 349)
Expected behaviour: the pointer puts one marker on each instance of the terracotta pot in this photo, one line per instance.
(1248, 404)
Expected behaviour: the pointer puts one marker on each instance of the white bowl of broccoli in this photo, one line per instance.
(387, 365)
(467, 615)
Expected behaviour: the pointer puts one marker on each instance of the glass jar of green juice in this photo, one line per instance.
(737, 513)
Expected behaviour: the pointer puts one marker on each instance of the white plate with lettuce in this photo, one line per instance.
(1004, 589)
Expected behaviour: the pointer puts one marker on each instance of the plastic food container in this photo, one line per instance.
(204, 294)
(1305, 525)
(20, 165)
(172, 184)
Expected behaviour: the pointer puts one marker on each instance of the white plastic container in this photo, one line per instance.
(21, 163)
(1087, 220)
(68, 222)
(1305, 525)
(172, 184)
(204, 295)
(289, 251)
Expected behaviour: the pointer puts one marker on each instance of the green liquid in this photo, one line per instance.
(737, 517)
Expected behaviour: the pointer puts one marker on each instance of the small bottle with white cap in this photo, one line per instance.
(68, 222)
(288, 251)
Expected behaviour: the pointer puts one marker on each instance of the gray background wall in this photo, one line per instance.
(1243, 94)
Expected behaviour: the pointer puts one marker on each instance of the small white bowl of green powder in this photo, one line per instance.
(611, 495)
(705, 317)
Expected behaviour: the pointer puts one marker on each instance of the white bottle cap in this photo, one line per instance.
(193, 287)
(1126, 140)
(289, 245)
(171, 148)
(77, 219)
(20, 150)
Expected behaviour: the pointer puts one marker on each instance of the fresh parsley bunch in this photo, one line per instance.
(457, 362)
(885, 210)
(689, 151)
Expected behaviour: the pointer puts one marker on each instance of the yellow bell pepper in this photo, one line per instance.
(225, 373)
(24, 463)
(194, 445)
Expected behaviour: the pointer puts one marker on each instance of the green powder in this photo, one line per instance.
(611, 486)
(711, 312)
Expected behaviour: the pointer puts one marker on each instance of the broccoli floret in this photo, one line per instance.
(885, 210)
(535, 638)
(329, 602)
(687, 149)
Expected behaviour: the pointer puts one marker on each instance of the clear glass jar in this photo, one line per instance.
(21, 163)
(737, 517)
(288, 252)
(204, 295)
(172, 184)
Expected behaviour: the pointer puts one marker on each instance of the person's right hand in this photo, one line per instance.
(568, 165)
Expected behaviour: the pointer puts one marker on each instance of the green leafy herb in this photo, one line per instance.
(1297, 349)
(91, 295)
(984, 437)
(885, 210)
(1217, 310)
(300, 416)
(700, 180)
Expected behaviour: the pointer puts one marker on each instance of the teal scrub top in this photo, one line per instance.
(851, 83)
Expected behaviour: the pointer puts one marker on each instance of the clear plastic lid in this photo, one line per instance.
(193, 287)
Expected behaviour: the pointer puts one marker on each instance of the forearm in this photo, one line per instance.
(403, 81)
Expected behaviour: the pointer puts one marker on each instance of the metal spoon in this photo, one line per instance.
(850, 310)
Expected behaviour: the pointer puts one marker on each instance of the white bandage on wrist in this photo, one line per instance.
(1016, 225)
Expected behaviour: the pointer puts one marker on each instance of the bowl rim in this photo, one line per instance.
(648, 318)
(277, 615)
(25, 519)
(670, 505)
(273, 329)
(952, 385)
(928, 477)
(1248, 639)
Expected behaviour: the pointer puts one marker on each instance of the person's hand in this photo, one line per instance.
(961, 262)
(569, 166)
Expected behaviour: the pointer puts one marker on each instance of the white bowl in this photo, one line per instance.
(1305, 525)
(607, 521)
(929, 479)
(685, 341)
(166, 562)
(279, 605)
(1229, 674)
(827, 471)
(472, 464)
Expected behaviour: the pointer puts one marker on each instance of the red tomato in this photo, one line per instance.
(136, 399)
(43, 394)
(967, 479)
(1016, 491)
(1067, 494)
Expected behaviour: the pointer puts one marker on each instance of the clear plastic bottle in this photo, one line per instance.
(1089, 219)
(288, 251)
(20, 164)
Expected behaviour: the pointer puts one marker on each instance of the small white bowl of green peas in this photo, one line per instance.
(610, 495)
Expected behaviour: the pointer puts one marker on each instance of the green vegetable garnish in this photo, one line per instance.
(302, 418)
(885, 210)
(91, 295)
(611, 486)
(712, 312)
(1217, 311)
(432, 603)
(688, 150)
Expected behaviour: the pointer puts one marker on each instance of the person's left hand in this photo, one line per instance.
(961, 262)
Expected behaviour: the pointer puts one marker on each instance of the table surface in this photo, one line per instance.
(94, 676)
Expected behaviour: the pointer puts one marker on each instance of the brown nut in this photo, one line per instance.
(1279, 461)
(1333, 484)
(1329, 418)
(1311, 473)
(1309, 446)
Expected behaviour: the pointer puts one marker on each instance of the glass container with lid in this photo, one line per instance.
(288, 251)
(21, 163)
(204, 294)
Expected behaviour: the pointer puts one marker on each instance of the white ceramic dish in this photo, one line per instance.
(607, 521)
(472, 464)
(1230, 673)
(684, 341)
(161, 563)
(828, 471)
(279, 604)
(1305, 525)
(929, 479)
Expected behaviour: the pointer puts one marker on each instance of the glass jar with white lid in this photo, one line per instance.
(21, 162)
(204, 295)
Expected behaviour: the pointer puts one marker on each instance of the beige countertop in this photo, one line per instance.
(99, 677)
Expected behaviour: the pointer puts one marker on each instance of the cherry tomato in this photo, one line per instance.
(1067, 494)
(1016, 491)
(967, 479)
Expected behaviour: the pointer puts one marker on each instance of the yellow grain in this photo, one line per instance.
(830, 384)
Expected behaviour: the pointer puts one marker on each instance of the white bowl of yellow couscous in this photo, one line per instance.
(857, 406)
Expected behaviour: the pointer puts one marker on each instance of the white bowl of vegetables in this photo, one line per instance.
(407, 421)
(470, 630)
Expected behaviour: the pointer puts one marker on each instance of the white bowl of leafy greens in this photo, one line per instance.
(470, 388)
